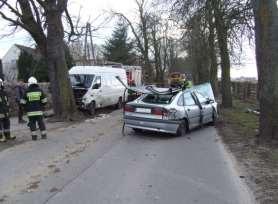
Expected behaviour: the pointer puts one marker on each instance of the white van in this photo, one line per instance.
(97, 87)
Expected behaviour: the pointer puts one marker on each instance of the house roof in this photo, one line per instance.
(34, 52)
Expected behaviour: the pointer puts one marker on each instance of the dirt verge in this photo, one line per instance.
(259, 162)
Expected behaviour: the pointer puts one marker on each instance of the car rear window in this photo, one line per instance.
(158, 99)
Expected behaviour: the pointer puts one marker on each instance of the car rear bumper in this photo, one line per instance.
(166, 126)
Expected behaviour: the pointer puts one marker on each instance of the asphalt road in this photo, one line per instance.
(92, 162)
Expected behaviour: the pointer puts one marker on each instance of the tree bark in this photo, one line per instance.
(222, 36)
(199, 53)
(28, 14)
(266, 32)
(62, 94)
(212, 50)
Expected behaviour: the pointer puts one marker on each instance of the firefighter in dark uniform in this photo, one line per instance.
(5, 133)
(34, 101)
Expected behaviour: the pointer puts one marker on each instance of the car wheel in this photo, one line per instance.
(137, 130)
(92, 109)
(119, 104)
(214, 118)
(182, 129)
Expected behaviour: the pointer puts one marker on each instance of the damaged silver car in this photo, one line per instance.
(171, 111)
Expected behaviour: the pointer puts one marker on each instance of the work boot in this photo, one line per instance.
(3, 139)
(22, 121)
(43, 134)
(34, 137)
(11, 137)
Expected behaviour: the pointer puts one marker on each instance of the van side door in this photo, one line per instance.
(97, 92)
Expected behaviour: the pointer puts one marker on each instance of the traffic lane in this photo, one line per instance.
(150, 168)
(22, 131)
(30, 171)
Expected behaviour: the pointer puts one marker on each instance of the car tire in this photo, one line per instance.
(214, 118)
(136, 130)
(182, 129)
(92, 109)
(120, 103)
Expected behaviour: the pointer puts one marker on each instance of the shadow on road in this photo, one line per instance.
(150, 135)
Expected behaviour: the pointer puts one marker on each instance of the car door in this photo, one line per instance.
(206, 107)
(192, 109)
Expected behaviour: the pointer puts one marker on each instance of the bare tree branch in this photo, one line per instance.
(138, 40)
(13, 10)
(42, 3)
(38, 18)
(12, 21)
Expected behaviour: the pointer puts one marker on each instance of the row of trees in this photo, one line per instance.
(212, 30)
(213, 34)
(157, 48)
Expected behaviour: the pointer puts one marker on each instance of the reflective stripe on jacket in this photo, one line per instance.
(34, 113)
(34, 101)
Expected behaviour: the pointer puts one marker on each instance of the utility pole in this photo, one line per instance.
(89, 51)
(92, 44)
(85, 48)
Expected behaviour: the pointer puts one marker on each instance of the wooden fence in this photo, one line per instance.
(245, 90)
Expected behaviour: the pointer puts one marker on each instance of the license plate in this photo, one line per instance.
(143, 110)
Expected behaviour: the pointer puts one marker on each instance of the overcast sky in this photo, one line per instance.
(91, 9)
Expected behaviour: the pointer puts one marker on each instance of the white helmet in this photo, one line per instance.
(32, 80)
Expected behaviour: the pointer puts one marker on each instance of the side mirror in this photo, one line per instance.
(209, 101)
(96, 86)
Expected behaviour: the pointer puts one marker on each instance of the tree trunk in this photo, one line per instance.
(199, 54)
(213, 64)
(266, 32)
(212, 51)
(222, 37)
(62, 95)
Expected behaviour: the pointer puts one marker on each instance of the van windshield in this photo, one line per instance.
(82, 80)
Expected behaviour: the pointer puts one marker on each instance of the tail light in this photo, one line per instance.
(159, 111)
(129, 108)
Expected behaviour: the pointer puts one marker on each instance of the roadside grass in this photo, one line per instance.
(245, 123)
(259, 163)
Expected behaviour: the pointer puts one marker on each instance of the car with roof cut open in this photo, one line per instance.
(174, 111)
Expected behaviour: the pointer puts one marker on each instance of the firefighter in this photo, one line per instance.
(34, 101)
(5, 133)
(187, 83)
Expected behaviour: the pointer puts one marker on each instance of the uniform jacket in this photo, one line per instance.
(4, 104)
(34, 101)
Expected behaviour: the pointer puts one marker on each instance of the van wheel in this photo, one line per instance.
(136, 130)
(119, 104)
(92, 109)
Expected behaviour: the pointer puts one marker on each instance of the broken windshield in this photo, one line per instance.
(205, 89)
(158, 99)
(82, 80)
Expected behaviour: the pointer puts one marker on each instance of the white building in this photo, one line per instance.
(9, 61)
